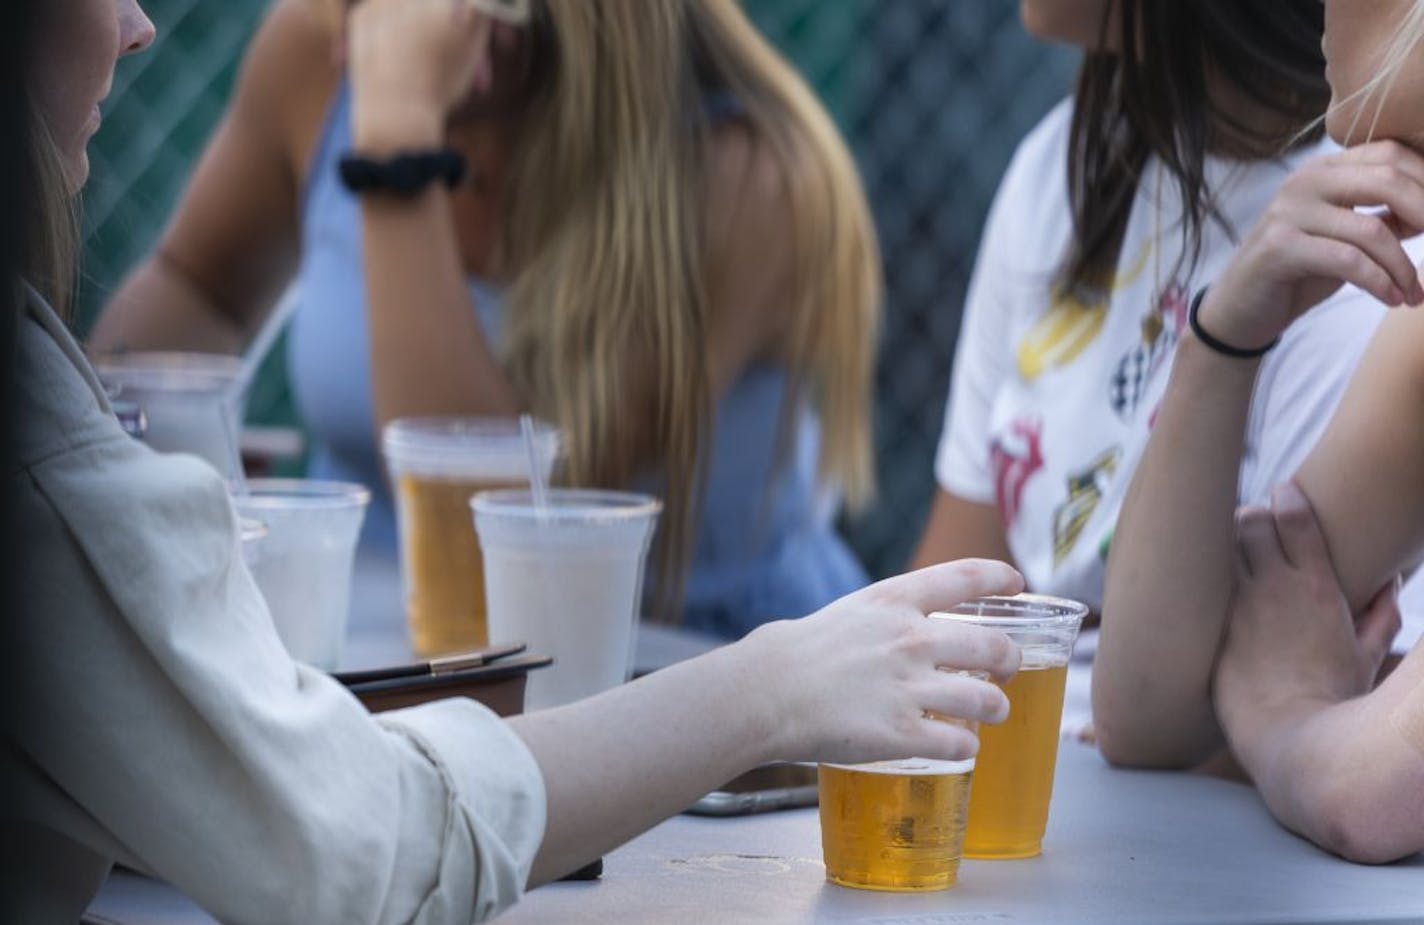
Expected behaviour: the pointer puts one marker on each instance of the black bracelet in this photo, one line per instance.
(1220, 346)
(404, 174)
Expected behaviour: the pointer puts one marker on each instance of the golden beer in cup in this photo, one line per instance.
(437, 464)
(1008, 809)
(894, 825)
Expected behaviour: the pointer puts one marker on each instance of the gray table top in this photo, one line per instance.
(1121, 847)
(1129, 847)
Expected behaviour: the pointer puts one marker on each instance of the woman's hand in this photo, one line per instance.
(411, 63)
(1291, 646)
(857, 680)
(1312, 240)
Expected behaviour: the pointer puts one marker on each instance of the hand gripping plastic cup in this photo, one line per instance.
(568, 581)
(304, 560)
(189, 401)
(1013, 776)
(437, 464)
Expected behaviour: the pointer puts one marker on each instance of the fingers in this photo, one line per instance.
(1378, 625)
(1256, 541)
(957, 696)
(965, 647)
(1347, 261)
(942, 586)
(945, 741)
(1297, 529)
(1369, 236)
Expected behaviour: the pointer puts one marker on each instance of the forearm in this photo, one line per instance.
(1169, 577)
(1342, 775)
(961, 529)
(428, 354)
(159, 308)
(619, 763)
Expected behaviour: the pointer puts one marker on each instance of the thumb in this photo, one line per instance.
(1378, 625)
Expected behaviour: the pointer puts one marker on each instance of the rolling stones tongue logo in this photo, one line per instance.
(1015, 456)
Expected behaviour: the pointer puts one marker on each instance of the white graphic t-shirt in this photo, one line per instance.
(1053, 398)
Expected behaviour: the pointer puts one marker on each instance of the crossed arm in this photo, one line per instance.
(1337, 762)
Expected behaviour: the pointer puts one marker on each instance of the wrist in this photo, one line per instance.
(758, 663)
(378, 131)
(1213, 326)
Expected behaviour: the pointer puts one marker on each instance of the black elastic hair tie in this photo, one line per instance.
(1220, 346)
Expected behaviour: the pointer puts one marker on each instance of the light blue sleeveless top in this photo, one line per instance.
(765, 547)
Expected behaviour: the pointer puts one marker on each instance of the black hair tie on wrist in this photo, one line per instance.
(404, 174)
(1220, 346)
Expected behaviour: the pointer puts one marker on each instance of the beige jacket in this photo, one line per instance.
(164, 726)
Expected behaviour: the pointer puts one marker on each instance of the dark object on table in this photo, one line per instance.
(493, 676)
(783, 785)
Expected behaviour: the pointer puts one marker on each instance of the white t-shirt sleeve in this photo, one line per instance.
(1301, 383)
(984, 355)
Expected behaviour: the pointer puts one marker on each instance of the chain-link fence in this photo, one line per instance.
(932, 94)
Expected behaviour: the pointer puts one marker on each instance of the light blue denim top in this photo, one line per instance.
(765, 547)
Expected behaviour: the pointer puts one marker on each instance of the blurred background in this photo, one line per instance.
(932, 96)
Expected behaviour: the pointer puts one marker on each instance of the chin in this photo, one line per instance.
(76, 171)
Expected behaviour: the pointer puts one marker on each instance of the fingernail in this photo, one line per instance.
(1396, 297)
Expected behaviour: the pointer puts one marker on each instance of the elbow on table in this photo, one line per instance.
(1356, 824)
(1135, 739)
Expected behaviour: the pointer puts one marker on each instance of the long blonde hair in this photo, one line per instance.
(50, 258)
(607, 323)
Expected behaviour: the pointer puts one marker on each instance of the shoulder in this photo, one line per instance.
(1042, 156)
(745, 181)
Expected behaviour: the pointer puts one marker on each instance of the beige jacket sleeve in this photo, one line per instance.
(162, 704)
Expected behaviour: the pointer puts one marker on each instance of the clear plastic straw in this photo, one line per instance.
(537, 485)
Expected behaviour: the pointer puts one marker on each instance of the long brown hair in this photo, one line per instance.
(607, 324)
(1151, 98)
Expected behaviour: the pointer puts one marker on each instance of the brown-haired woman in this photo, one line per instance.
(661, 246)
(1186, 119)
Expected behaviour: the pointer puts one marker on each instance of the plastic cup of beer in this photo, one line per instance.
(437, 464)
(304, 558)
(1013, 778)
(567, 579)
(189, 401)
(894, 825)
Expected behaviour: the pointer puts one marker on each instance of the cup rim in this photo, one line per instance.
(168, 370)
(1053, 612)
(587, 505)
(463, 446)
(310, 494)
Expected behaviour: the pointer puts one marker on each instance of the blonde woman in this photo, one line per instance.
(194, 748)
(659, 243)
(1292, 689)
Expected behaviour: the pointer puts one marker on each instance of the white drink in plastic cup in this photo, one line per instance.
(569, 583)
(303, 562)
(189, 400)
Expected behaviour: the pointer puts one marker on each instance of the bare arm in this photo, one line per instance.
(1169, 570)
(233, 242)
(957, 529)
(1336, 762)
(1169, 574)
(850, 683)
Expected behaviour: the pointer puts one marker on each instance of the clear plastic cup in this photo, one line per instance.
(568, 581)
(1013, 777)
(437, 464)
(303, 566)
(189, 402)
